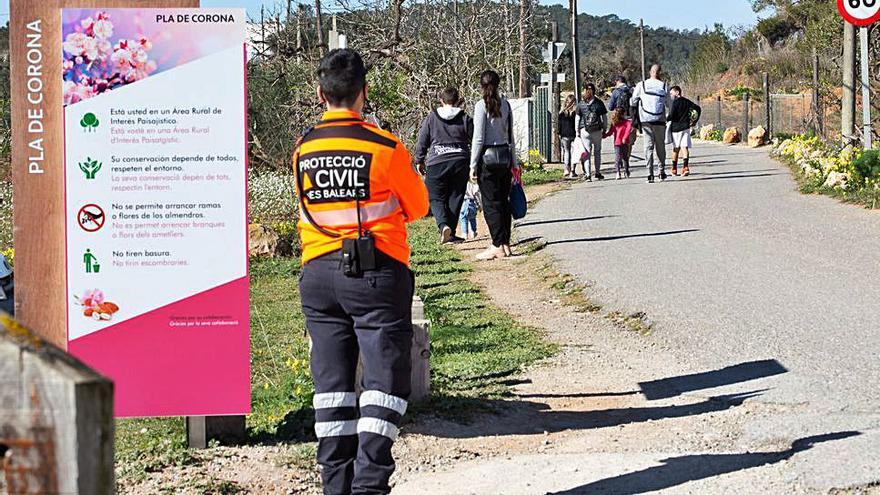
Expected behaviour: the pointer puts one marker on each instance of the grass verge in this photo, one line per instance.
(475, 347)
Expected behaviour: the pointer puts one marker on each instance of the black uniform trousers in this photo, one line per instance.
(495, 183)
(446, 183)
(345, 316)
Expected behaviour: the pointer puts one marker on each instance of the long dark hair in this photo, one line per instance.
(489, 81)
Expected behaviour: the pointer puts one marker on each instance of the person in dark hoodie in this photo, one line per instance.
(682, 118)
(443, 156)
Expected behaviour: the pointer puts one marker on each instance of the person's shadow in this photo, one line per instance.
(679, 470)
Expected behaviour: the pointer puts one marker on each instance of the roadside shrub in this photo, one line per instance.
(866, 169)
(271, 197)
(535, 161)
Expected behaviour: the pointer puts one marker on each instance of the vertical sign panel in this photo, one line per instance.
(155, 210)
(37, 162)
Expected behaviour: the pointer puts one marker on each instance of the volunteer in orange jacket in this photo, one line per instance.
(358, 189)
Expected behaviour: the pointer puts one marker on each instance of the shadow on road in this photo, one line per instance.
(562, 220)
(675, 386)
(620, 237)
(529, 418)
(679, 470)
(741, 176)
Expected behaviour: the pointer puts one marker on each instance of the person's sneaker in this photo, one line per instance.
(599, 176)
(685, 171)
(456, 239)
(662, 175)
(445, 235)
(627, 174)
(650, 179)
(619, 176)
(675, 170)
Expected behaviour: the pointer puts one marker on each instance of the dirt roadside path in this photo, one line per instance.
(579, 422)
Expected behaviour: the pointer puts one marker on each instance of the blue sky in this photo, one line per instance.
(669, 13)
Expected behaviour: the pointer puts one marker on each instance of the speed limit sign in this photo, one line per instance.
(859, 12)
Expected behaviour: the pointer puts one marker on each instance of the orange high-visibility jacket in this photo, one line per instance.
(344, 159)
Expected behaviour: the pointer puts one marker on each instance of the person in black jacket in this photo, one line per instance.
(682, 118)
(443, 156)
(567, 133)
(593, 123)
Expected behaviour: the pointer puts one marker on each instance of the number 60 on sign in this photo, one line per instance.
(859, 12)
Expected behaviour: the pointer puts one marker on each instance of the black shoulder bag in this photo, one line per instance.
(500, 154)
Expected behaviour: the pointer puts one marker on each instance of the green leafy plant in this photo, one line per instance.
(535, 161)
(866, 168)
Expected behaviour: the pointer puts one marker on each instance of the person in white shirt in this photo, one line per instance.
(651, 97)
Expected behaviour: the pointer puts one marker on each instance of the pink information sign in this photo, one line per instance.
(156, 201)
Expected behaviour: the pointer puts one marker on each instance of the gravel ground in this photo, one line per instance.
(758, 374)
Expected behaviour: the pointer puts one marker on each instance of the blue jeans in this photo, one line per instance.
(468, 218)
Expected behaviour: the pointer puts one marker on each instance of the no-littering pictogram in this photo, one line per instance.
(91, 218)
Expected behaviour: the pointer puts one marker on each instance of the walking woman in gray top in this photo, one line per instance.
(493, 157)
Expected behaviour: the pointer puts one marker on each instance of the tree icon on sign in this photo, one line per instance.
(89, 122)
(90, 167)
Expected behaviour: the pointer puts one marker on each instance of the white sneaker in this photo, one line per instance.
(445, 235)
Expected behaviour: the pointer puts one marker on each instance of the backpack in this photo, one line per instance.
(657, 107)
(623, 100)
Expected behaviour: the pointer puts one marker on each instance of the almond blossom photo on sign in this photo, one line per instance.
(94, 64)
(106, 49)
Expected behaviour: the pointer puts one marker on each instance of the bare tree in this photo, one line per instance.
(524, 17)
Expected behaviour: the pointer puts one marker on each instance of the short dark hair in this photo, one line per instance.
(450, 96)
(342, 76)
(621, 79)
(677, 89)
(591, 87)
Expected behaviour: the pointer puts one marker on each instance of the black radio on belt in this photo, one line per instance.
(359, 255)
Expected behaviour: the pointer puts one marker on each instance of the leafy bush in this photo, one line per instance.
(866, 169)
(535, 161)
(271, 197)
(715, 135)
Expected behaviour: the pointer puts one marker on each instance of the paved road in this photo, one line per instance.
(733, 266)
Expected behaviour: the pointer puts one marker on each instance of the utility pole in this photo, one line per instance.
(817, 104)
(523, 68)
(262, 30)
(768, 118)
(575, 57)
(319, 27)
(289, 11)
(866, 90)
(642, 42)
(299, 34)
(554, 94)
(848, 101)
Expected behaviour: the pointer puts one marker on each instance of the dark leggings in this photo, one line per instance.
(446, 182)
(495, 181)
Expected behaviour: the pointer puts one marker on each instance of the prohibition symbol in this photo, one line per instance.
(859, 12)
(91, 218)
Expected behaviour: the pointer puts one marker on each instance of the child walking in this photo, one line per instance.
(623, 131)
(469, 209)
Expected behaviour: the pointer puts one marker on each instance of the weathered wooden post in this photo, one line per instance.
(56, 419)
(745, 121)
(768, 120)
(718, 112)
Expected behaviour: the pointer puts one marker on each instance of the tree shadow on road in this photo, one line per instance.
(679, 470)
(529, 418)
(743, 372)
(562, 220)
(740, 176)
(621, 237)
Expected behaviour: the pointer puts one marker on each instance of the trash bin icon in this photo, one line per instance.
(96, 268)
